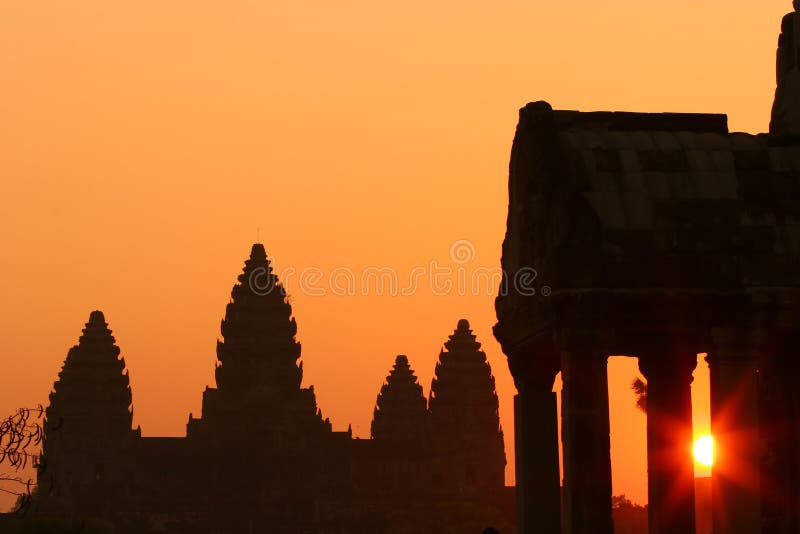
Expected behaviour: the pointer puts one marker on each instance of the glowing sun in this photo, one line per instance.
(704, 450)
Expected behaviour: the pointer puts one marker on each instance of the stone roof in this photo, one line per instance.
(663, 191)
(625, 163)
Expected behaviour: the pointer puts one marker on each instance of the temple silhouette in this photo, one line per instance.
(661, 236)
(261, 457)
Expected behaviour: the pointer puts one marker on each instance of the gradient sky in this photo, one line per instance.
(142, 144)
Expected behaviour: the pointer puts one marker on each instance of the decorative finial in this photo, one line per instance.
(796, 4)
(258, 252)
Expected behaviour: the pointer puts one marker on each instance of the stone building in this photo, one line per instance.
(261, 457)
(88, 453)
(400, 431)
(660, 236)
(465, 424)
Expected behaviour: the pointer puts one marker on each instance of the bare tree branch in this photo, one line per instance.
(21, 435)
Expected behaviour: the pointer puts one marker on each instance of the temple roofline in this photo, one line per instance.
(631, 121)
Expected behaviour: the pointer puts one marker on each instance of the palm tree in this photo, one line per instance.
(639, 387)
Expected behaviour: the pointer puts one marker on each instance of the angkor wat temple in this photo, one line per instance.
(261, 457)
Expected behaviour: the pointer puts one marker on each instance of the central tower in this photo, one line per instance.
(259, 419)
(258, 373)
(258, 350)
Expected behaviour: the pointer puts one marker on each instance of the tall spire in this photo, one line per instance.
(92, 391)
(464, 414)
(259, 348)
(88, 426)
(401, 411)
(258, 375)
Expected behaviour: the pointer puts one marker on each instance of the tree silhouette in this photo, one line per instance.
(21, 435)
(639, 387)
(629, 517)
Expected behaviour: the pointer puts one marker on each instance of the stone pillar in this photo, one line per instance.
(536, 439)
(536, 443)
(733, 366)
(585, 435)
(670, 461)
(779, 429)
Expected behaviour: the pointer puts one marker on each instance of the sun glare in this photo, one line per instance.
(704, 450)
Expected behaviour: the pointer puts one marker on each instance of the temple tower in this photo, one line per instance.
(258, 394)
(88, 436)
(401, 412)
(465, 425)
(400, 430)
(275, 443)
(258, 349)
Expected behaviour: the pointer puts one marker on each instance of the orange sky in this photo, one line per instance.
(143, 143)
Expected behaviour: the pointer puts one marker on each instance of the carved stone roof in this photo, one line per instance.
(633, 220)
(624, 173)
(608, 189)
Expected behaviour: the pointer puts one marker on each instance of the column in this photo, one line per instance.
(777, 376)
(670, 459)
(585, 434)
(536, 443)
(735, 493)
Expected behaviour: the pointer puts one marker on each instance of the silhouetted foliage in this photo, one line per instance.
(629, 517)
(639, 387)
(20, 434)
